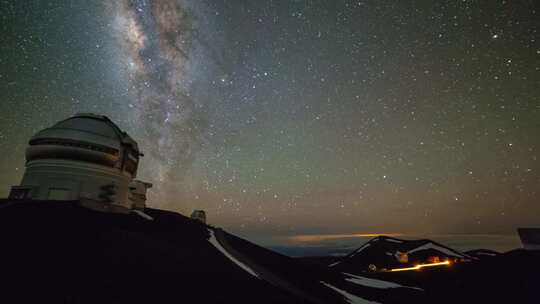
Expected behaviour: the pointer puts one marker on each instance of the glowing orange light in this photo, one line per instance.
(419, 266)
(323, 237)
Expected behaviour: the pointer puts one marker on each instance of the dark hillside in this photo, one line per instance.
(60, 252)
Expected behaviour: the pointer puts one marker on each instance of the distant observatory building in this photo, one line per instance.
(86, 158)
(199, 215)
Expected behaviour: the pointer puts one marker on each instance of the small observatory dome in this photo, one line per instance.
(85, 157)
(199, 215)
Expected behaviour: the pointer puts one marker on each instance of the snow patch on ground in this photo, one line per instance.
(374, 282)
(487, 253)
(366, 245)
(216, 244)
(143, 215)
(349, 297)
(439, 248)
(353, 254)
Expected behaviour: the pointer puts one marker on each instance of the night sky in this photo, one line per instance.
(295, 117)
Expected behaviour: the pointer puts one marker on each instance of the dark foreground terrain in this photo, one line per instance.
(59, 252)
(477, 276)
(510, 277)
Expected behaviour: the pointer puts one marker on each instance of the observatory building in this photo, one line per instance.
(199, 215)
(85, 158)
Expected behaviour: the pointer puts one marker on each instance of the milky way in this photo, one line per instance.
(155, 39)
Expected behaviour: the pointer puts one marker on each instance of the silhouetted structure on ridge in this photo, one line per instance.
(199, 215)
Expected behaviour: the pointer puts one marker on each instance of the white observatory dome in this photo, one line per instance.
(85, 157)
